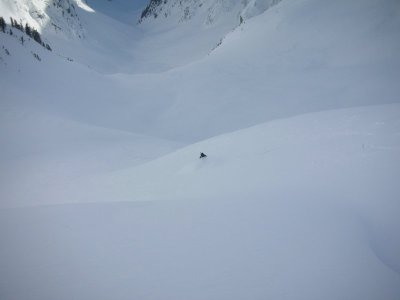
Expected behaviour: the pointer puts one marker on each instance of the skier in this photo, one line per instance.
(202, 155)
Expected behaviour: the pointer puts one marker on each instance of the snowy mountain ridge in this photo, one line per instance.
(49, 17)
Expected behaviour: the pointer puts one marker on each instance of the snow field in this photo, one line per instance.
(299, 208)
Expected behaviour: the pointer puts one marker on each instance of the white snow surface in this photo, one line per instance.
(103, 194)
(302, 208)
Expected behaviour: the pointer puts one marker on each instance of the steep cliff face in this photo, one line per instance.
(210, 11)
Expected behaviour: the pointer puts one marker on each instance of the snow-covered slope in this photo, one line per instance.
(278, 64)
(102, 193)
(73, 30)
(289, 60)
(203, 23)
(302, 208)
(295, 58)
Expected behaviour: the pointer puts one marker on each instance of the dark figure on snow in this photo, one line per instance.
(202, 155)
